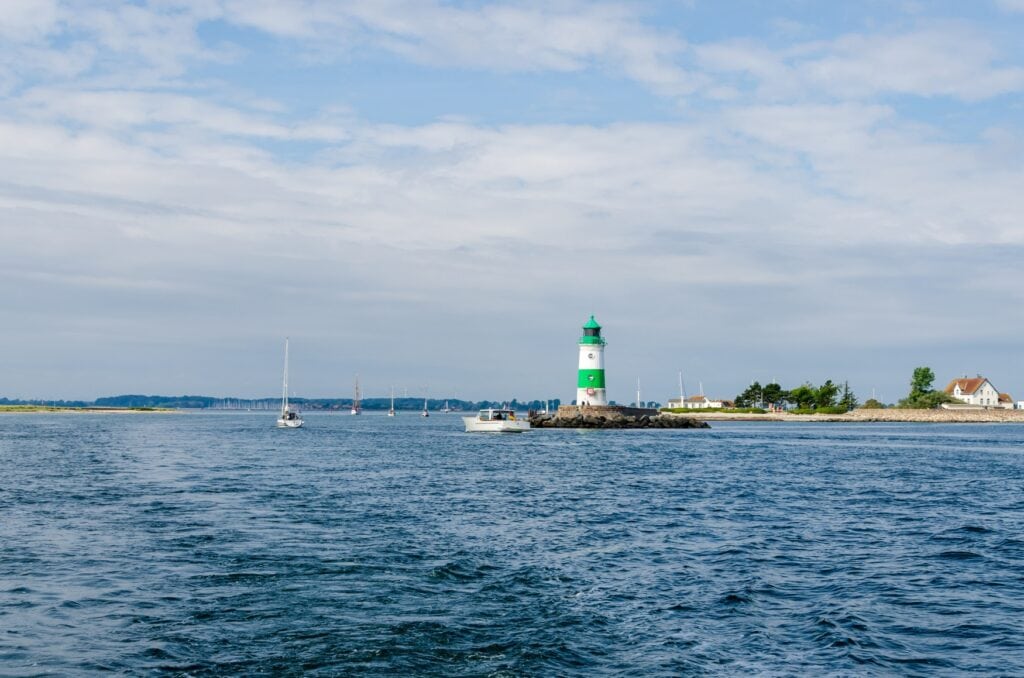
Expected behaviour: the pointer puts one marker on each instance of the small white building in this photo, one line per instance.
(978, 391)
(698, 402)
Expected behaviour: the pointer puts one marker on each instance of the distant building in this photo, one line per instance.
(978, 391)
(698, 402)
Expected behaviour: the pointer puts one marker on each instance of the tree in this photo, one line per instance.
(848, 401)
(921, 382)
(826, 394)
(773, 394)
(750, 397)
(873, 404)
(803, 396)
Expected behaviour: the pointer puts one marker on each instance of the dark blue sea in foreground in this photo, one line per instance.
(215, 543)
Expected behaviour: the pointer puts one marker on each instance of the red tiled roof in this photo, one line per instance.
(967, 386)
(1005, 398)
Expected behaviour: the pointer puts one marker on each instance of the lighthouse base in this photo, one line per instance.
(611, 416)
(604, 410)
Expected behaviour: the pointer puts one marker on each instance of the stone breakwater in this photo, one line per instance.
(612, 420)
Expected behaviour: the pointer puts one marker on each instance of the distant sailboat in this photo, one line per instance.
(425, 412)
(446, 409)
(391, 412)
(289, 415)
(357, 407)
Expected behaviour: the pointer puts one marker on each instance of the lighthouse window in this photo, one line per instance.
(590, 355)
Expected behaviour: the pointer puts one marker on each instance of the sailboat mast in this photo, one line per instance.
(284, 387)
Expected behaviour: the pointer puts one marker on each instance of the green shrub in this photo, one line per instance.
(872, 404)
(926, 401)
(820, 410)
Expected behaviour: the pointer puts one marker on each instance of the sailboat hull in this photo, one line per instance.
(289, 423)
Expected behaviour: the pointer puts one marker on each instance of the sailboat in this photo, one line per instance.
(446, 409)
(357, 407)
(289, 414)
(425, 412)
(391, 411)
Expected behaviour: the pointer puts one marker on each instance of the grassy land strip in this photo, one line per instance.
(15, 409)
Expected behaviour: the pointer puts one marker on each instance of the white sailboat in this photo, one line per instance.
(357, 406)
(290, 417)
(425, 412)
(391, 411)
(446, 409)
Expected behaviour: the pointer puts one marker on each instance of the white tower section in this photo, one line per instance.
(590, 387)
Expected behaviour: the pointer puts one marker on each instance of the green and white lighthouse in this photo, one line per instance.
(590, 382)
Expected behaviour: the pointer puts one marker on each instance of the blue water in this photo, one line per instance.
(215, 543)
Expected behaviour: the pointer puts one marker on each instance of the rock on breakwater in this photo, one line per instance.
(612, 419)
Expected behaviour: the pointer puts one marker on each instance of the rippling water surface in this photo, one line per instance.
(215, 543)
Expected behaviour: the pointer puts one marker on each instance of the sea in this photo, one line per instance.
(197, 544)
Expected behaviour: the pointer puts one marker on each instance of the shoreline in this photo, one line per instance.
(46, 409)
(875, 416)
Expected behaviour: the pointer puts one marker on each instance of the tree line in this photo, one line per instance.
(829, 397)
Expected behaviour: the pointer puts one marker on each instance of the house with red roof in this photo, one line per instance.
(699, 402)
(979, 391)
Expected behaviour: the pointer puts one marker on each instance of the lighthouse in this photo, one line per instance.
(590, 381)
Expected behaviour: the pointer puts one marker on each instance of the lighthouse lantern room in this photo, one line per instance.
(590, 388)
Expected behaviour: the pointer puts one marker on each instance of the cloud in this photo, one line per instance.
(26, 20)
(509, 37)
(954, 62)
(793, 203)
(941, 60)
(1011, 5)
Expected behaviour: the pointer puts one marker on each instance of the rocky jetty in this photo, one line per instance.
(611, 419)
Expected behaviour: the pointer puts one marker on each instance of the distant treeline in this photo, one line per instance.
(327, 404)
(48, 403)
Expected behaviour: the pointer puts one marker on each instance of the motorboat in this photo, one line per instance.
(496, 421)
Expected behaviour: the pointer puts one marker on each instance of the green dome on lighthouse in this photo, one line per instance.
(591, 333)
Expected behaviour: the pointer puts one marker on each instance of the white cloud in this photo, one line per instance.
(953, 61)
(949, 60)
(27, 20)
(133, 196)
(1011, 5)
(520, 36)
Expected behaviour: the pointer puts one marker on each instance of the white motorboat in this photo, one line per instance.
(290, 417)
(496, 421)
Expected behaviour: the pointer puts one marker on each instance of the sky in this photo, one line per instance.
(437, 195)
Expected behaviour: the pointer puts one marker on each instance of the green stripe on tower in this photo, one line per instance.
(591, 379)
